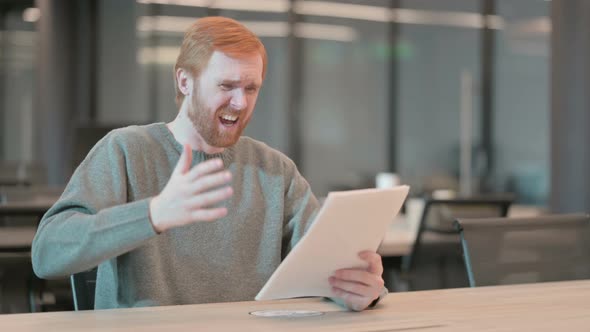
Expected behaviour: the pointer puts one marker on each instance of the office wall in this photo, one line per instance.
(570, 107)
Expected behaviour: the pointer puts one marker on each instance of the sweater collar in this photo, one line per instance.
(198, 156)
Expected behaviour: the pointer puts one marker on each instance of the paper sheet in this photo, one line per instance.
(348, 223)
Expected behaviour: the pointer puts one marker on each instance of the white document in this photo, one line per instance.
(348, 223)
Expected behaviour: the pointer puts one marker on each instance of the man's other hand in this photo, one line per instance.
(358, 288)
(190, 194)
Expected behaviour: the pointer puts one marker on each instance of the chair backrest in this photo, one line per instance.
(500, 251)
(83, 289)
(438, 244)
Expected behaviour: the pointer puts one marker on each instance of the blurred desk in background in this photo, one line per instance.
(35, 208)
(401, 234)
(18, 203)
(16, 231)
(16, 239)
(399, 238)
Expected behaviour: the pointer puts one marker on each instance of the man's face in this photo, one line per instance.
(224, 97)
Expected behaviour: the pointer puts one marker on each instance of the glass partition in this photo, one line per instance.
(18, 72)
(345, 93)
(353, 87)
(522, 99)
(439, 79)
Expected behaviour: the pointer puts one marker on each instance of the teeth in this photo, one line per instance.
(229, 117)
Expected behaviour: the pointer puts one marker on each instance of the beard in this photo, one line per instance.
(207, 123)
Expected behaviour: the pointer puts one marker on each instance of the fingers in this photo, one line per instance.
(359, 287)
(209, 198)
(185, 161)
(360, 277)
(355, 288)
(374, 260)
(353, 301)
(191, 194)
(209, 214)
(210, 181)
(204, 168)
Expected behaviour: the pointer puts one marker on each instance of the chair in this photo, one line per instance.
(499, 251)
(435, 260)
(83, 289)
(20, 212)
(15, 280)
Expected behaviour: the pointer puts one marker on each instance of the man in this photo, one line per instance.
(190, 211)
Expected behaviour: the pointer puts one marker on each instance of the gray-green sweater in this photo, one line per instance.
(103, 218)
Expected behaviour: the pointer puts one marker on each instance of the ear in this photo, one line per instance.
(184, 81)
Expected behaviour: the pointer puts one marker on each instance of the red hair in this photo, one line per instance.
(211, 34)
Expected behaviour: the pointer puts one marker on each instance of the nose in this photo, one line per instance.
(238, 100)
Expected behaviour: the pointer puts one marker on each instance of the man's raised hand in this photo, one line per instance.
(189, 195)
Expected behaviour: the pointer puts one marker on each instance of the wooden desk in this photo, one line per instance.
(535, 307)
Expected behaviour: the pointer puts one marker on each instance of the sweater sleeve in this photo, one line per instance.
(301, 206)
(93, 220)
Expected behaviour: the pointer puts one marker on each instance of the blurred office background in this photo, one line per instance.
(354, 87)
(454, 95)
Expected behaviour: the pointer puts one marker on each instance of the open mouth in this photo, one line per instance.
(228, 120)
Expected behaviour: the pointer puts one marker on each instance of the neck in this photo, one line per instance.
(185, 133)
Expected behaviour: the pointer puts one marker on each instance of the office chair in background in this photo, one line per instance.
(500, 251)
(436, 260)
(83, 289)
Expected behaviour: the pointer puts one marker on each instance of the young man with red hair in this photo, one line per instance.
(190, 211)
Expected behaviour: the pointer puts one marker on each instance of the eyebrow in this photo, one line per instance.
(237, 82)
(231, 81)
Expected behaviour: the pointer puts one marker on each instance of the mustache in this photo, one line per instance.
(227, 109)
